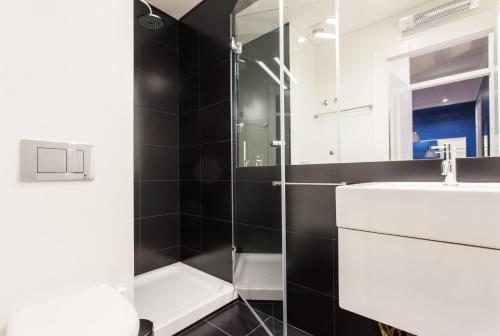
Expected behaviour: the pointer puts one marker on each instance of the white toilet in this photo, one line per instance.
(98, 311)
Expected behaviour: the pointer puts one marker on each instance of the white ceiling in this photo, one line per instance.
(175, 8)
(456, 93)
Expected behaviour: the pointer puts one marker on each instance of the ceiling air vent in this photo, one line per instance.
(436, 14)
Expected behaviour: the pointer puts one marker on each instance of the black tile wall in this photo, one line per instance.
(156, 144)
(312, 247)
(204, 141)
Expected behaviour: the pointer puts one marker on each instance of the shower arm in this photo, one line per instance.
(149, 7)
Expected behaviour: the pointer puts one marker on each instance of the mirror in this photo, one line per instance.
(388, 82)
(418, 74)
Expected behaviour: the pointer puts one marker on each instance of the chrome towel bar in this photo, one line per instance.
(278, 183)
(364, 107)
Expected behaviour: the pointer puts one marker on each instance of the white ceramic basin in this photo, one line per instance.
(422, 257)
(463, 214)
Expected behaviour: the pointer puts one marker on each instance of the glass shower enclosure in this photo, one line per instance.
(273, 44)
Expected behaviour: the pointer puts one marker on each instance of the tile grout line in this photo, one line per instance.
(332, 296)
(213, 325)
(258, 326)
(235, 302)
(154, 110)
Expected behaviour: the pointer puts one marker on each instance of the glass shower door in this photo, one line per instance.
(257, 161)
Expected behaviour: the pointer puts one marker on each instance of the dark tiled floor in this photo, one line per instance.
(237, 320)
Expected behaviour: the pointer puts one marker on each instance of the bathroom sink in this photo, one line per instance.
(422, 257)
(463, 214)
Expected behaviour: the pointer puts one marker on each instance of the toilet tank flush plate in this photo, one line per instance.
(421, 257)
(56, 161)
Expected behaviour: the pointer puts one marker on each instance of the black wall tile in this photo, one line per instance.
(311, 311)
(311, 210)
(310, 173)
(159, 163)
(137, 161)
(216, 199)
(190, 163)
(190, 197)
(479, 170)
(159, 128)
(191, 257)
(215, 84)
(213, 52)
(216, 161)
(268, 174)
(258, 203)
(310, 262)
(189, 51)
(191, 232)
(137, 265)
(216, 239)
(159, 198)
(190, 92)
(336, 268)
(189, 128)
(158, 259)
(348, 324)
(414, 171)
(137, 199)
(157, 92)
(216, 122)
(159, 233)
(158, 59)
(215, 234)
(137, 237)
(254, 239)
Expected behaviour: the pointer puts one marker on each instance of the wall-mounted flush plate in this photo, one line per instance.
(56, 161)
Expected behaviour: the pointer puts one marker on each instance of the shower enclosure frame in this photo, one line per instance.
(279, 142)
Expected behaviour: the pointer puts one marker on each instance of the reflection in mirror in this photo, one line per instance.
(256, 101)
(312, 43)
(426, 76)
(310, 38)
(257, 35)
(410, 74)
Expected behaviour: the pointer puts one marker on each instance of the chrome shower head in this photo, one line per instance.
(150, 21)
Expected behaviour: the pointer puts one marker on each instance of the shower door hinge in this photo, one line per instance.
(233, 253)
(235, 46)
(277, 143)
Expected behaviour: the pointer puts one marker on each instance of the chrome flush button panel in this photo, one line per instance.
(56, 161)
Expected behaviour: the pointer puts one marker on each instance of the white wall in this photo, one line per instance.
(314, 67)
(66, 74)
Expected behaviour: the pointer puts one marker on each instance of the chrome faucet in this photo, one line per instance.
(449, 164)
